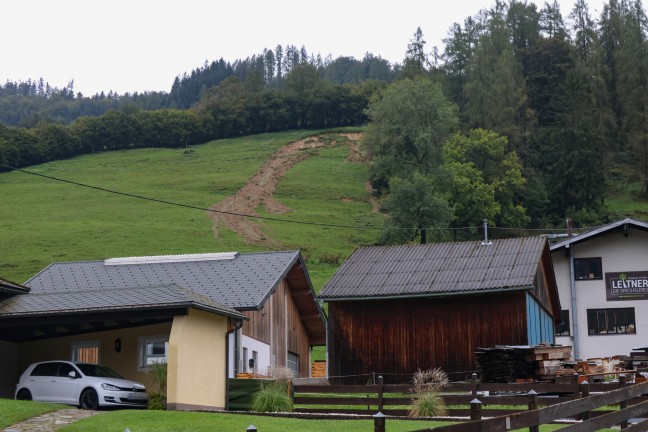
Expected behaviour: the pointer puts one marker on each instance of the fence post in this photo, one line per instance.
(475, 409)
(585, 393)
(381, 391)
(624, 403)
(533, 405)
(251, 428)
(379, 422)
(473, 380)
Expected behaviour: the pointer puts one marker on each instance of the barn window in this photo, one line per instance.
(293, 362)
(562, 329)
(588, 268)
(611, 321)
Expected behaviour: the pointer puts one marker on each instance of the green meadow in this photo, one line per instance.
(44, 220)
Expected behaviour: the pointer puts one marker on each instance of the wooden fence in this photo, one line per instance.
(395, 400)
(519, 405)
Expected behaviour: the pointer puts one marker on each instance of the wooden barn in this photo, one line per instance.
(395, 309)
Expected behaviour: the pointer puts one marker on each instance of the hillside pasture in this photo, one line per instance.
(44, 221)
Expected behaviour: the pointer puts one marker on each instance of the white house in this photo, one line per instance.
(602, 279)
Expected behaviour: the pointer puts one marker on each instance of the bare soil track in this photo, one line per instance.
(259, 190)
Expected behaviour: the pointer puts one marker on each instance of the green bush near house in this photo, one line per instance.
(157, 378)
(273, 396)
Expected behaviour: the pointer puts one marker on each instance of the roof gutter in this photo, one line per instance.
(427, 295)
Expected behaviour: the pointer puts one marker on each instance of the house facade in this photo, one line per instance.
(602, 278)
(193, 311)
(393, 310)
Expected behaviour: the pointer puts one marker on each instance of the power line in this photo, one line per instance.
(266, 218)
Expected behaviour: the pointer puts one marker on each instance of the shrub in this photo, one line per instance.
(273, 396)
(427, 402)
(157, 383)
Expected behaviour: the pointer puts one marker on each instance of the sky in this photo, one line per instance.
(142, 45)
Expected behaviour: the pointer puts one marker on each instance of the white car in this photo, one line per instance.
(86, 385)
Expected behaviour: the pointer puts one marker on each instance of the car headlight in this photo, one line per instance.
(110, 387)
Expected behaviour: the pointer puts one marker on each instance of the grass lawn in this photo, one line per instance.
(12, 411)
(171, 421)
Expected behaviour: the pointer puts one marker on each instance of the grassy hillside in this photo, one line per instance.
(44, 221)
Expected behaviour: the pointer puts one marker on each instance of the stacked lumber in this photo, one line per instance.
(639, 357)
(503, 364)
(318, 369)
(551, 361)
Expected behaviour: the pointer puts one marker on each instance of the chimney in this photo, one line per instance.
(485, 242)
(570, 230)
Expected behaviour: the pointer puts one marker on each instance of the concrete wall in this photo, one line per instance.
(618, 253)
(196, 362)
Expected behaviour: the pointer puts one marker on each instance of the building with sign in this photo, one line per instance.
(602, 279)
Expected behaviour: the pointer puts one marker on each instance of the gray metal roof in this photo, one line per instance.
(623, 223)
(241, 283)
(154, 297)
(10, 288)
(437, 269)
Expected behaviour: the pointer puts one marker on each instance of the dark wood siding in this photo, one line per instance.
(258, 327)
(396, 337)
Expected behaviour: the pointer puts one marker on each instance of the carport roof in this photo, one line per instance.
(238, 281)
(121, 299)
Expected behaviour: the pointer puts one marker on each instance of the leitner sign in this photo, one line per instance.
(626, 286)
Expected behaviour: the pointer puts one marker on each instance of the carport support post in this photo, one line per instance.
(475, 409)
(624, 403)
(473, 380)
(379, 422)
(533, 405)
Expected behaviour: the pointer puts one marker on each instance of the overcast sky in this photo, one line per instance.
(141, 45)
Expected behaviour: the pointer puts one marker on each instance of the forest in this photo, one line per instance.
(568, 94)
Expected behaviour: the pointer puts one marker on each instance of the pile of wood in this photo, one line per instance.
(552, 361)
(502, 364)
(639, 358)
(318, 369)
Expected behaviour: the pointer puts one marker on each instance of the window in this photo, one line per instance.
(153, 350)
(46, 369)
(293, 362)
(611, 321)
(255, 361)
(588, 268)
(562, 329)
(86, 352)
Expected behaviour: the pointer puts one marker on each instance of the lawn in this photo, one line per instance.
(12, 412)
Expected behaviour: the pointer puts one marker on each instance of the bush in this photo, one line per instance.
(273, 396)
(427, 402)
(157, 383)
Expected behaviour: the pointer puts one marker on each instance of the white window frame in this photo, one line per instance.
(143, 358)
(75, 346)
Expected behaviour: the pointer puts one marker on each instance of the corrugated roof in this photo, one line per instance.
(623, 223)
(152, 297)
(240, 283)
(11, 288)
(437, 269)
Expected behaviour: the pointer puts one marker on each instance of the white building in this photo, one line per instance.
(602, 279)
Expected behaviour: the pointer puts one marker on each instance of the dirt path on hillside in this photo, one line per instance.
(258, 191)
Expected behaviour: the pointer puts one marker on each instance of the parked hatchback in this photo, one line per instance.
(86, 385)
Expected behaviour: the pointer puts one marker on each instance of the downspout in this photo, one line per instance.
(574, 310)
(237, 326)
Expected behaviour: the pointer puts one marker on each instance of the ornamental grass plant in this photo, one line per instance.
(427, 401)
(274, 394)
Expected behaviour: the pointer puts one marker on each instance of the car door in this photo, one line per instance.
(41, 380)
(65, 386)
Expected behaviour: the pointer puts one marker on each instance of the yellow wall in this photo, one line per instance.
(197, 353)
(124, 362)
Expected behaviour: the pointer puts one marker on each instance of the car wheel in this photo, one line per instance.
(89, 399)
(24, 394)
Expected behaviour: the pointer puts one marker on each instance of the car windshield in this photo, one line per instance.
(94, 370)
